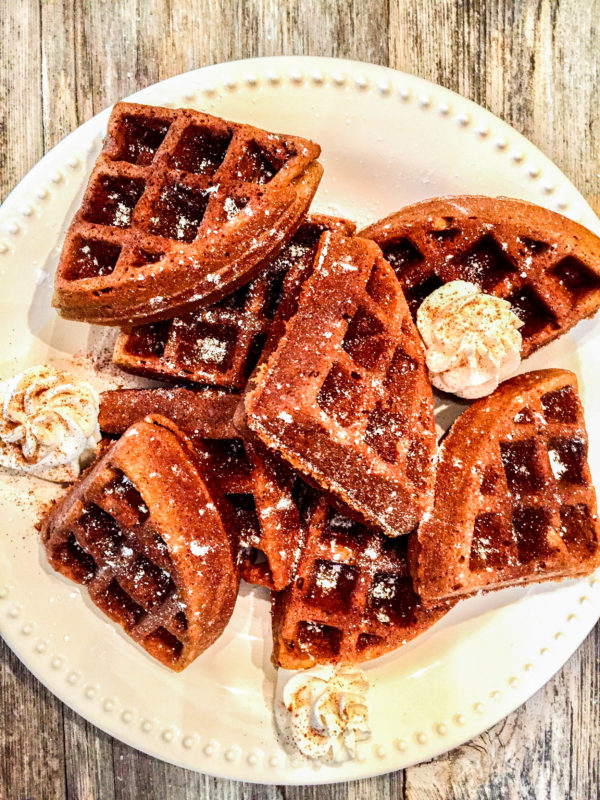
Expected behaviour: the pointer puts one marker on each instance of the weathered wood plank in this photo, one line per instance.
(88, 760)
(533, 63)
(351, 29)
(32, 753)
(386, 787)
(140, 776)
(21, 132)
(59, 72)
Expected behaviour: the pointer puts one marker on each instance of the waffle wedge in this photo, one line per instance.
(344, 396)
(545, 265)
(351, 599)
(131, 531)
(180, 210)
(514, 502)
(261, 491)
(220, 345)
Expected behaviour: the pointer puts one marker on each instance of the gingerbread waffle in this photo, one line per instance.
(180, 210)
(200, 415)
(262, 493)
(220, 345)
(144, 533)
(514, 502)
(345, 396)
(545, 265)
(351, 599)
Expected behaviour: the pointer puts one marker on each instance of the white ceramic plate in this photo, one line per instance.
(387, 139)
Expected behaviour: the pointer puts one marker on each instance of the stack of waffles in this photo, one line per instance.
(292, 443)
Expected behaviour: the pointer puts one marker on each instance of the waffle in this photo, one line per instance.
(181, 209)
(545, 265)
(201, 415)
(514, 501)
(144, 533)
(220, 345)
(352, 597)
(345, 396)
(262, 493)
(300, 270)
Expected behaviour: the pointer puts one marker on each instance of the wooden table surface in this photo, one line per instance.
(535, 63)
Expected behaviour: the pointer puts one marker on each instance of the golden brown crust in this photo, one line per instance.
(206, 414)
(220, 345)
(181, 209)
(545, 264)
(514, 502)
(144, 531)
(259, 490)
(345, 397)
(352, 597)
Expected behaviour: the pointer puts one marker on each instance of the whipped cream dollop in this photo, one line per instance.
(48, 423)
(472, 340)
(323, 712)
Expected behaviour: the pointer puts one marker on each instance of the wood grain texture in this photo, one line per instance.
(534, 63)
